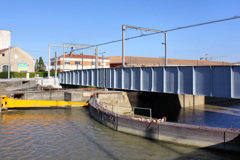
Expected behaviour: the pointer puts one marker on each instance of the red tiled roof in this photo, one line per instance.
(148, 61)
(3, 50)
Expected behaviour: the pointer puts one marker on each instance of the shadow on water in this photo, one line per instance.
(225, 102)
(232, 146)
(227, 150)
(212, 153)
(209, 154)
(100, 147)
(167, 105)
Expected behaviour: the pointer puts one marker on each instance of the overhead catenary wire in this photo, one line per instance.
(114, 41)
(169, 30)
(143, 35)
(200, 24)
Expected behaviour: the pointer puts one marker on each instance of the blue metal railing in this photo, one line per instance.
(217, 81)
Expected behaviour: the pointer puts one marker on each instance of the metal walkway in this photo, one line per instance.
(217, 81)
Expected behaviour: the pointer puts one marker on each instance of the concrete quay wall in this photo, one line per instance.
(75, 95)
(16, 85)
(44, 95)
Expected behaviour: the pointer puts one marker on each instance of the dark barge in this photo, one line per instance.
(185, 134)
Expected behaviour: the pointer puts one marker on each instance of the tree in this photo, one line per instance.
(36, 66)
(41, 65)
(40, 62)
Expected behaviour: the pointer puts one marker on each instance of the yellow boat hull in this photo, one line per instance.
(7, 103)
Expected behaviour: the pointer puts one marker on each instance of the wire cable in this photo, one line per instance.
(149, 34)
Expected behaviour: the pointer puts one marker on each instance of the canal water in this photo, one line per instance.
(71, 134)
(210, 115)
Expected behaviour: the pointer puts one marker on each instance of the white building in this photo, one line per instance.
(5, 39)
(79, 61)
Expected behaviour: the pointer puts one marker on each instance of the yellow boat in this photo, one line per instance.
(8, 103)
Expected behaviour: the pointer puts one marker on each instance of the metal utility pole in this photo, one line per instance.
(96, 57)
(82, 61)
(158, 31)
(102, 61)
(165, 43)
(63, 56)
(102, 58)
(9, 62)
(34, 65)
(130, 61)
(49, 55)
(153, 30)
(55, 64)
(49, 48)
(92, 63)
(123, 43)
(84, 46)
(140, 28)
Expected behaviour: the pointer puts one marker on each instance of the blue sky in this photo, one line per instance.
(37, 23)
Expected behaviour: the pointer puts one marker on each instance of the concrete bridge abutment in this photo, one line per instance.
(162, 104)
(190, 101)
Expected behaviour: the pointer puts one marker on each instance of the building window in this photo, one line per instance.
(5, 68)
(3, 54)
(67, 63)
(77, 62)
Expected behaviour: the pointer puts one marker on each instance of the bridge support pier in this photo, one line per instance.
(187, 100)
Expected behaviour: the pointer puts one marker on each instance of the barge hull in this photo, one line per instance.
(185, 134)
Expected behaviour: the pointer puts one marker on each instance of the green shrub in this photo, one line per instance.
(18, 74)
(4, 75)
(32, 75)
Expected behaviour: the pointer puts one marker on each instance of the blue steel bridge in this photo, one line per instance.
(216, 81)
